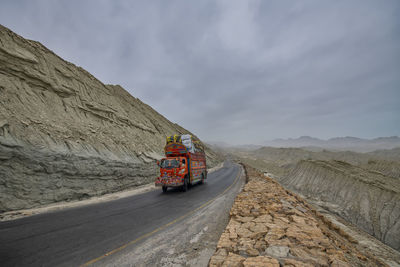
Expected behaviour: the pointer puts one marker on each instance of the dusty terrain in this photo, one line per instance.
(281, 160)
(367, 199)
(270, 226)
(338, 143)
(362, 188)
(64, 135)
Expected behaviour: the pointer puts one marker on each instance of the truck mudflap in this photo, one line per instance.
(169, 181)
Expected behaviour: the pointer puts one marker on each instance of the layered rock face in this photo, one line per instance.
(270, 226)
(368, 199)
(385, 167)
(65, 135)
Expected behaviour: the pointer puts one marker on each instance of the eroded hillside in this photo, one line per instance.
(65, 135)
(280, 160)
(368, 199)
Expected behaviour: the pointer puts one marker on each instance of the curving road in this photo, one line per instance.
(84, 235)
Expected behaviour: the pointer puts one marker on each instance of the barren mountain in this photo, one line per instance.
(279, 160)
(65, 135)
(339, 143)
(388, 154)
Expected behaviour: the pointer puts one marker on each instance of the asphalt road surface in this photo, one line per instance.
(82, 235)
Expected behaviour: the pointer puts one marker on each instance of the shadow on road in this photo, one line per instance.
(178, 190)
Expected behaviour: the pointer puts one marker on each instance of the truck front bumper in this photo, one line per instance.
(169, 181)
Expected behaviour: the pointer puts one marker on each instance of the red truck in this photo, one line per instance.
(184, 164)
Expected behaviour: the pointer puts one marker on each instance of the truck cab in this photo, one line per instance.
(173, 171)
(173, 167)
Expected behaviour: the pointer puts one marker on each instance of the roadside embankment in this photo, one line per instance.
(270, 226)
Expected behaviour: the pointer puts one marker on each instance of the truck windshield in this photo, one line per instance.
(169, 163)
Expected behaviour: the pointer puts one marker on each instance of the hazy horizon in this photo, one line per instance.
(237, 71)
(295, 138)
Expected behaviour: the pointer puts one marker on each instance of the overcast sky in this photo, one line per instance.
(236, 71)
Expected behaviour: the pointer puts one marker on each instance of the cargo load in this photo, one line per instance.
(187, 142)
(192, 144)
(174, 139)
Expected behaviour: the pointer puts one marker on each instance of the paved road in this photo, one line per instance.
(75, 236)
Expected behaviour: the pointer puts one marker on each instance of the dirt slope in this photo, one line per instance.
(65, 135)
(280, 160)
(385, 167)
(368, 199)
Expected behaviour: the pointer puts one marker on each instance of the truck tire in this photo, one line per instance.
(202, 179)
(164, 189)
(185, 185)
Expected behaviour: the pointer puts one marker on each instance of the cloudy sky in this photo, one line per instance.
(236, 71)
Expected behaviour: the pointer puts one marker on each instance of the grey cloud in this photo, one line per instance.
(236, 71)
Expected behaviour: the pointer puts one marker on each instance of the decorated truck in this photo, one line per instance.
(184, 163)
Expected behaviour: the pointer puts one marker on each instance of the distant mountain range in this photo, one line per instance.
(338, 143)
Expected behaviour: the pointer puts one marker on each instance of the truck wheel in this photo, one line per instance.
(202, 179)
(164, 189)
(185, 185)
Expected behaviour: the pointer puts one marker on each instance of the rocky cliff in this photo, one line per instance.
(65, 135)
(368, 199)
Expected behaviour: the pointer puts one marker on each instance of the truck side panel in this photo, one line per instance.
(197, 166)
